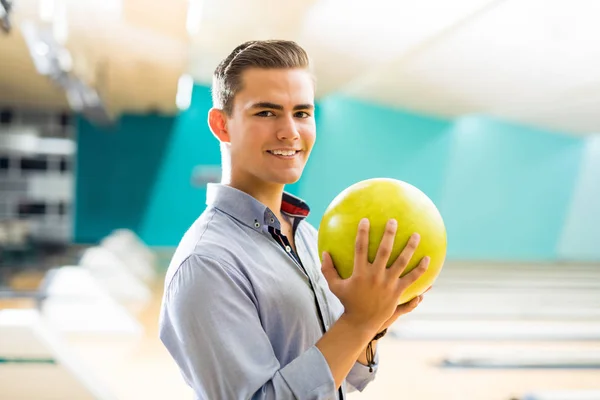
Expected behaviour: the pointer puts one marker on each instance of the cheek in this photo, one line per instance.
(309, 137)
(250, 143)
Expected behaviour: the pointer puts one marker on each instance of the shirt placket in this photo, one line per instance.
(283, 241)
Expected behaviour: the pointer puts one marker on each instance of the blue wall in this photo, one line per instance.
(506, 192)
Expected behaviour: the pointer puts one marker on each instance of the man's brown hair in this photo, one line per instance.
(267, 54)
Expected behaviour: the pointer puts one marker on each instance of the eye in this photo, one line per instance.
(265, 113)
(302, 114)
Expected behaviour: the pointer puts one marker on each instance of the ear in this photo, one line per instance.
(217, 121)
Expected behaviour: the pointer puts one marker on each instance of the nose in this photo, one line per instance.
(288, 130)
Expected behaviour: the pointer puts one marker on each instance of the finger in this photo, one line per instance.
(403, 309)
(415, 274)
(397, 269)
(386, 245)
(428, 289)
(329, 272)
(361, 248)
(407, 307)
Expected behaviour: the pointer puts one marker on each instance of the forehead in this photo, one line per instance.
(281, 86)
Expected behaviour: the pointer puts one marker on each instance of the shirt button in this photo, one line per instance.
(256, 224)
(288, 249)
(272, 220)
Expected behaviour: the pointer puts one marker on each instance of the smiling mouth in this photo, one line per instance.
(283, 153)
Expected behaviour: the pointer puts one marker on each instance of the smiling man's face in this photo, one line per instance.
(271, 130)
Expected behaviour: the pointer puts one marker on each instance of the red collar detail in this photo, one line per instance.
(293, 209)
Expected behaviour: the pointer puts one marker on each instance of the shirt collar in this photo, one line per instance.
(250, 211)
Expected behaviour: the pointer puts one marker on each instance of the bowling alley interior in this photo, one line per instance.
(481, 115)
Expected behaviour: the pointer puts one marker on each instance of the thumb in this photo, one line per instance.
(329, 271)
(403, 309)
(408, 306)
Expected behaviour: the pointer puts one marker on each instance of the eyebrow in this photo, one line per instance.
(273, 106)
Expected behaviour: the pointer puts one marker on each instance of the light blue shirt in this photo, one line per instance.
(241, 316)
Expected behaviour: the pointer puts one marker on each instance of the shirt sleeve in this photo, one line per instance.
(211, 327)
(359, 376)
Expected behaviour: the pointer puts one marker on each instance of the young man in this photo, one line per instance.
(249, 309)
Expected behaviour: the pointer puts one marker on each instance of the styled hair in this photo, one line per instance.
(267, 54)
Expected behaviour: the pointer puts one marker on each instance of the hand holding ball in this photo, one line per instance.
(379, 200)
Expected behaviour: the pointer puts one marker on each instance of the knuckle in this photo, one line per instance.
(390, 230)
(360, 246)
(385, 248)
(402, 259)
(362, 234)
(392, 287)
(363, 226)
(373, 280)
(359, 242)
(412, 245)
(416, 274)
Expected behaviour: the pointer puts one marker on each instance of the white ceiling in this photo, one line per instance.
(535, 62)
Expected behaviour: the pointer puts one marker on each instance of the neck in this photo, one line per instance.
(269, 194)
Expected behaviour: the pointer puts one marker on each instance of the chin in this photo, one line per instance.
(285, 179)
(289, 181)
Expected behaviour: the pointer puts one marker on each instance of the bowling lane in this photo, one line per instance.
(410, 366)
(482, 328)
(410, 370)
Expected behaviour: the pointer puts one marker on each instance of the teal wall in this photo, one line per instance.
(507, 189)
(115, 173)
(502, 189)
(174, 202)
(137, 175)
(356, 141)
(506, 192)
(580, 238)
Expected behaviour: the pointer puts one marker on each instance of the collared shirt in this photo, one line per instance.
(242, 312)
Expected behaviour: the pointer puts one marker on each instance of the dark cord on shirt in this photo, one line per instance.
(371, 352)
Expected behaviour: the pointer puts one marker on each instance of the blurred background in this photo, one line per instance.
(491, 107)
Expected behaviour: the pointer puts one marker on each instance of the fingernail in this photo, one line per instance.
(393, 222)
(364, 221)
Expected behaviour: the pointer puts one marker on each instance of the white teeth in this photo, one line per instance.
(284, 152)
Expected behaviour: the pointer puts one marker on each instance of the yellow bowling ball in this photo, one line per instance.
(379, 200)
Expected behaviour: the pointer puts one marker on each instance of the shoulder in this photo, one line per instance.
(206, 245)
(203, 278)
(201, 289)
